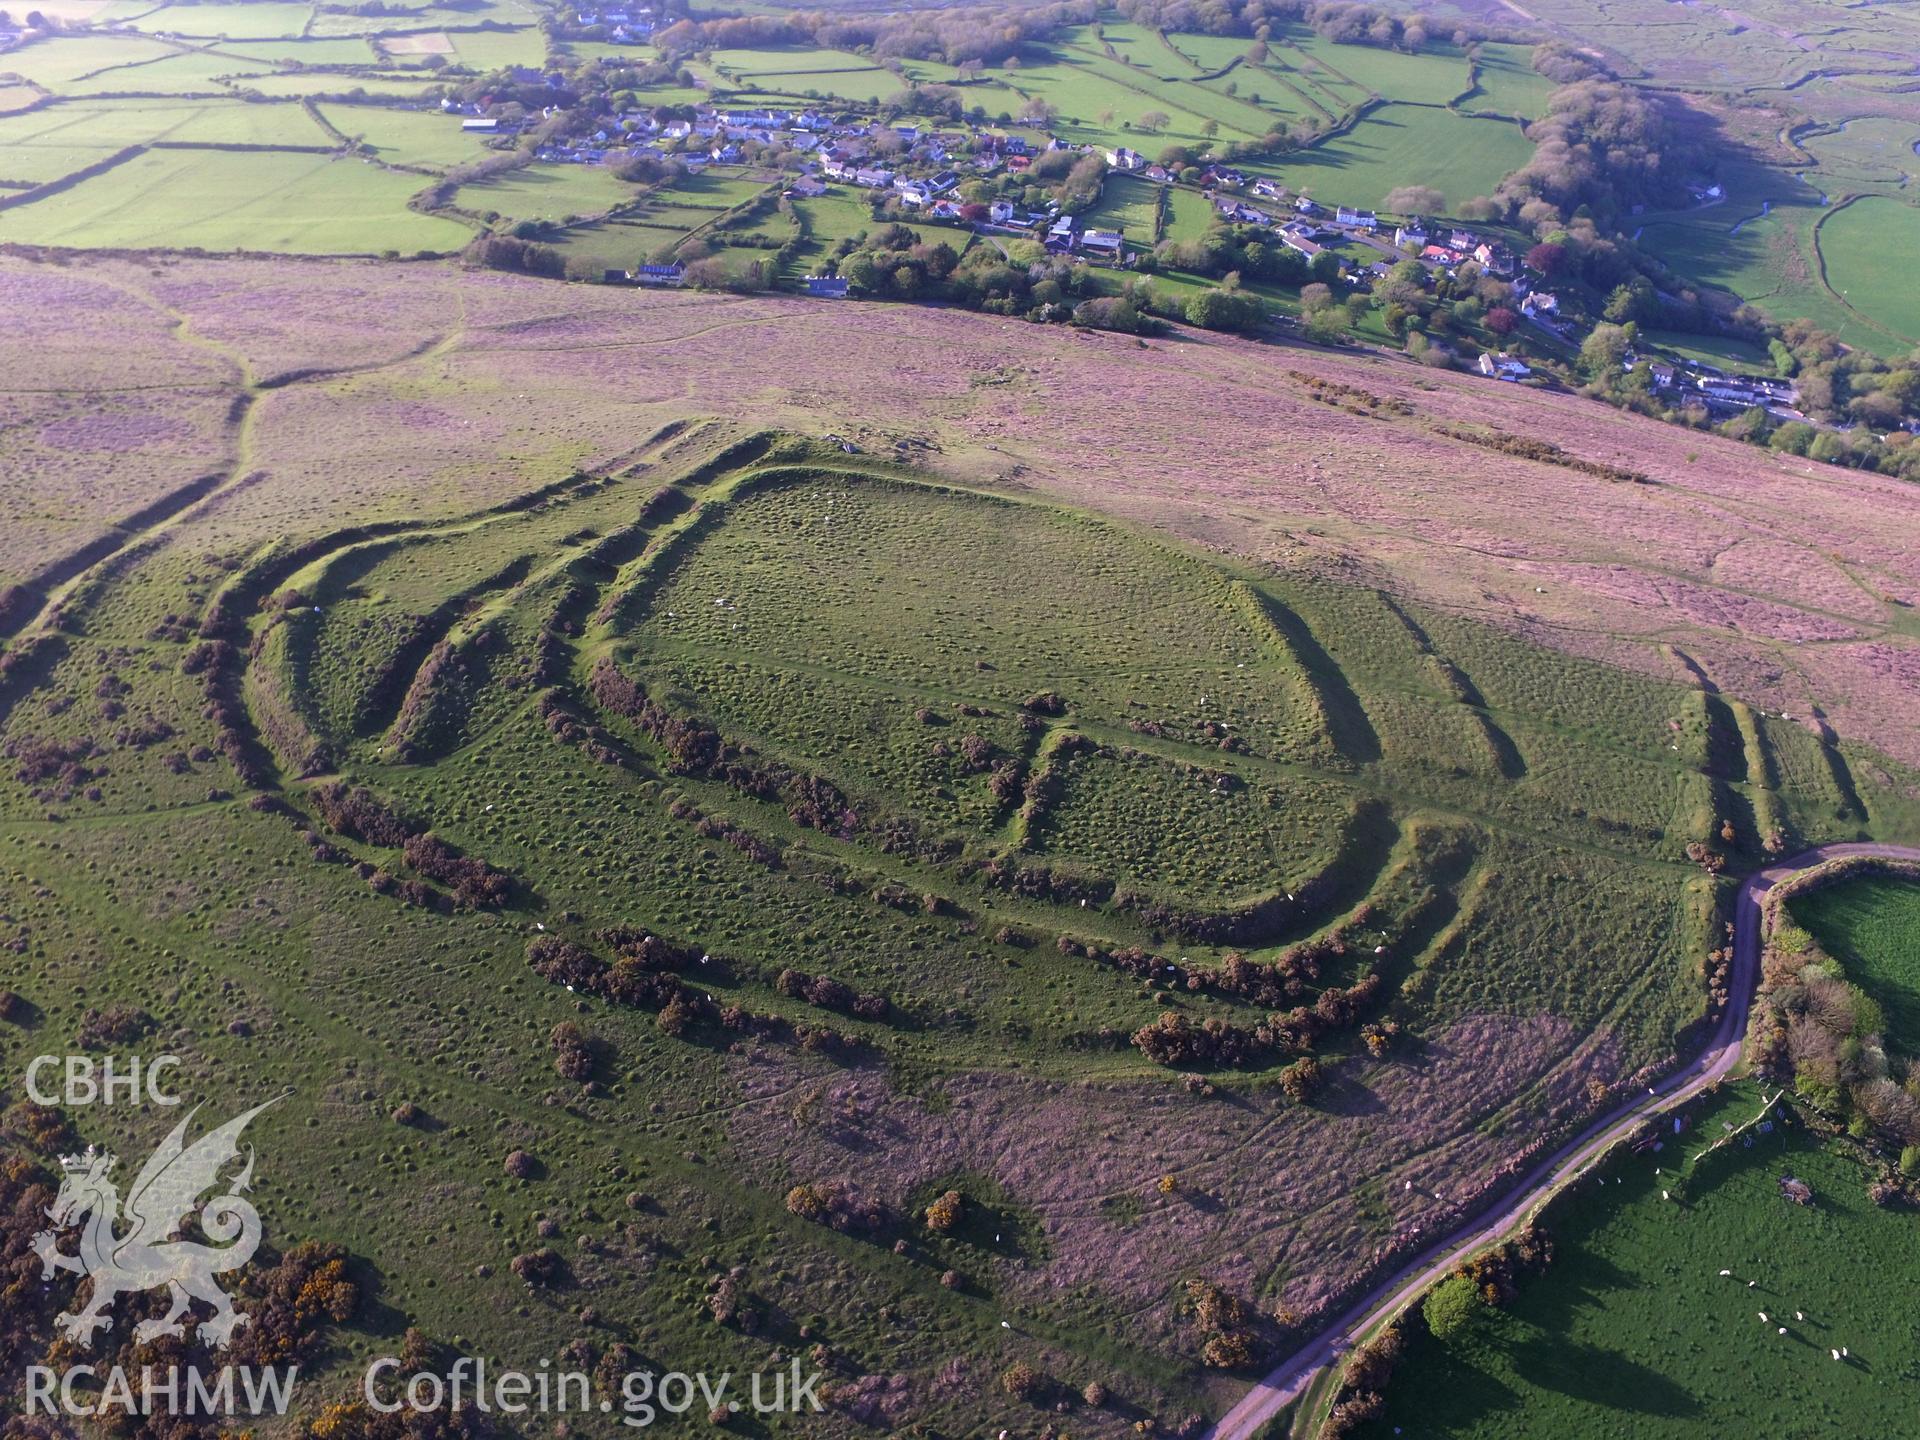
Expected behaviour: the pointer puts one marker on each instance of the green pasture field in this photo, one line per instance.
(1726, 351)
(294, 85)
(112, 125)
(1459, 155)
(1189, 214)
(1633, 1331)
(788, 61)
(548, 192)
(1508, 83)
(1431, 77)
(610, 54)
(406, 137)
(247, 20)
(60, 63)
(1867, 248)
(485, 50)
(866, 86)
(1127, 203)
(344, 51)
(223, 200)
(1769, 262)
(615, 244)
(1871, 926)
(1211, 52)
(828, 219)
(194, 72)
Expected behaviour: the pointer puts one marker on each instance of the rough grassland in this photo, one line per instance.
(863, 736)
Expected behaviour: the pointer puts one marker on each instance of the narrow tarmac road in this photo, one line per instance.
(1287, 1381)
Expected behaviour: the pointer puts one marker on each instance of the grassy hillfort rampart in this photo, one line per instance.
(679, 785)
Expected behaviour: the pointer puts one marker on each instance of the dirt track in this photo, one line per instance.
(1290, 1379)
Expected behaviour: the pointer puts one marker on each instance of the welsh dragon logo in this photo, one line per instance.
(150, 1255)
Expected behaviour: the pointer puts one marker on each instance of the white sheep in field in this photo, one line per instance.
(1763, 1317)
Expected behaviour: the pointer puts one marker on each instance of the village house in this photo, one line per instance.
(1494, 259)
(1063, 235)
(660, 274)
(1411, 236)
(1106, 245)
(1356, 219)
(1503, 367)
(827, 287)
(1125, 159)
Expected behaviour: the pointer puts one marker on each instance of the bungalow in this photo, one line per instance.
(943, 182)
(1107, 245)
(1000, 212)
(1268, 189)
(1439, 255)
(1297, 240)
(873, 178)
(827, 287)
(1159, 174)
(1125, 159)
(1018, 162)
(944, 210)
(1541, 300)
(1661, 373)
(1503, 367)
(1304, 206)
(911, 192)
(728, 154)
(1411, 237)
(1356, 219)
(660, 274)
(806, 187)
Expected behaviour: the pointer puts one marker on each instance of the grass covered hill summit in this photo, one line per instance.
(717, 887)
